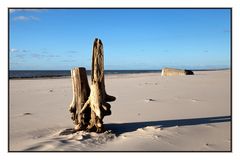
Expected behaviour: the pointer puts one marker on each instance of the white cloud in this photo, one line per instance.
(25, 50)
(25, 18)
(14, 50)
(27, 10)
(21, 18)
(34, 18)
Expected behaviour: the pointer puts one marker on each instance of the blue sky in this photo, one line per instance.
(60, 39)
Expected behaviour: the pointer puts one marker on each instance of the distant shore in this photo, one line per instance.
(43, 74)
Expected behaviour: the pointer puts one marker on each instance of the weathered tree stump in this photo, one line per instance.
(98, 98)
(89, 110)
(81, 92)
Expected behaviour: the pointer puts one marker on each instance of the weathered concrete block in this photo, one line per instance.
(175, 72)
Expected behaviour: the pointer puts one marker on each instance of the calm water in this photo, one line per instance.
(63, 73)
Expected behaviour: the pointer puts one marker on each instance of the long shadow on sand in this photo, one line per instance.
(119, 128)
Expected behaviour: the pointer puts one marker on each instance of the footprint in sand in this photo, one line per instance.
(209, 145)
(163, 139)
(210, 125)
(67, 131)
(186, 99)
(27, 114)
(149, 100)
(195, 100)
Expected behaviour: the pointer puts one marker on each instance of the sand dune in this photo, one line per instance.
(151, 113)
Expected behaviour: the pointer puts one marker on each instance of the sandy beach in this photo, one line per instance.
(151, 113)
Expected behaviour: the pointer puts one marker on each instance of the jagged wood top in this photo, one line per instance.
(97, 62)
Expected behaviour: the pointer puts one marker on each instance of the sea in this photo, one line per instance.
(18, 74)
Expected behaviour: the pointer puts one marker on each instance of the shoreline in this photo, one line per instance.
(107, 74)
